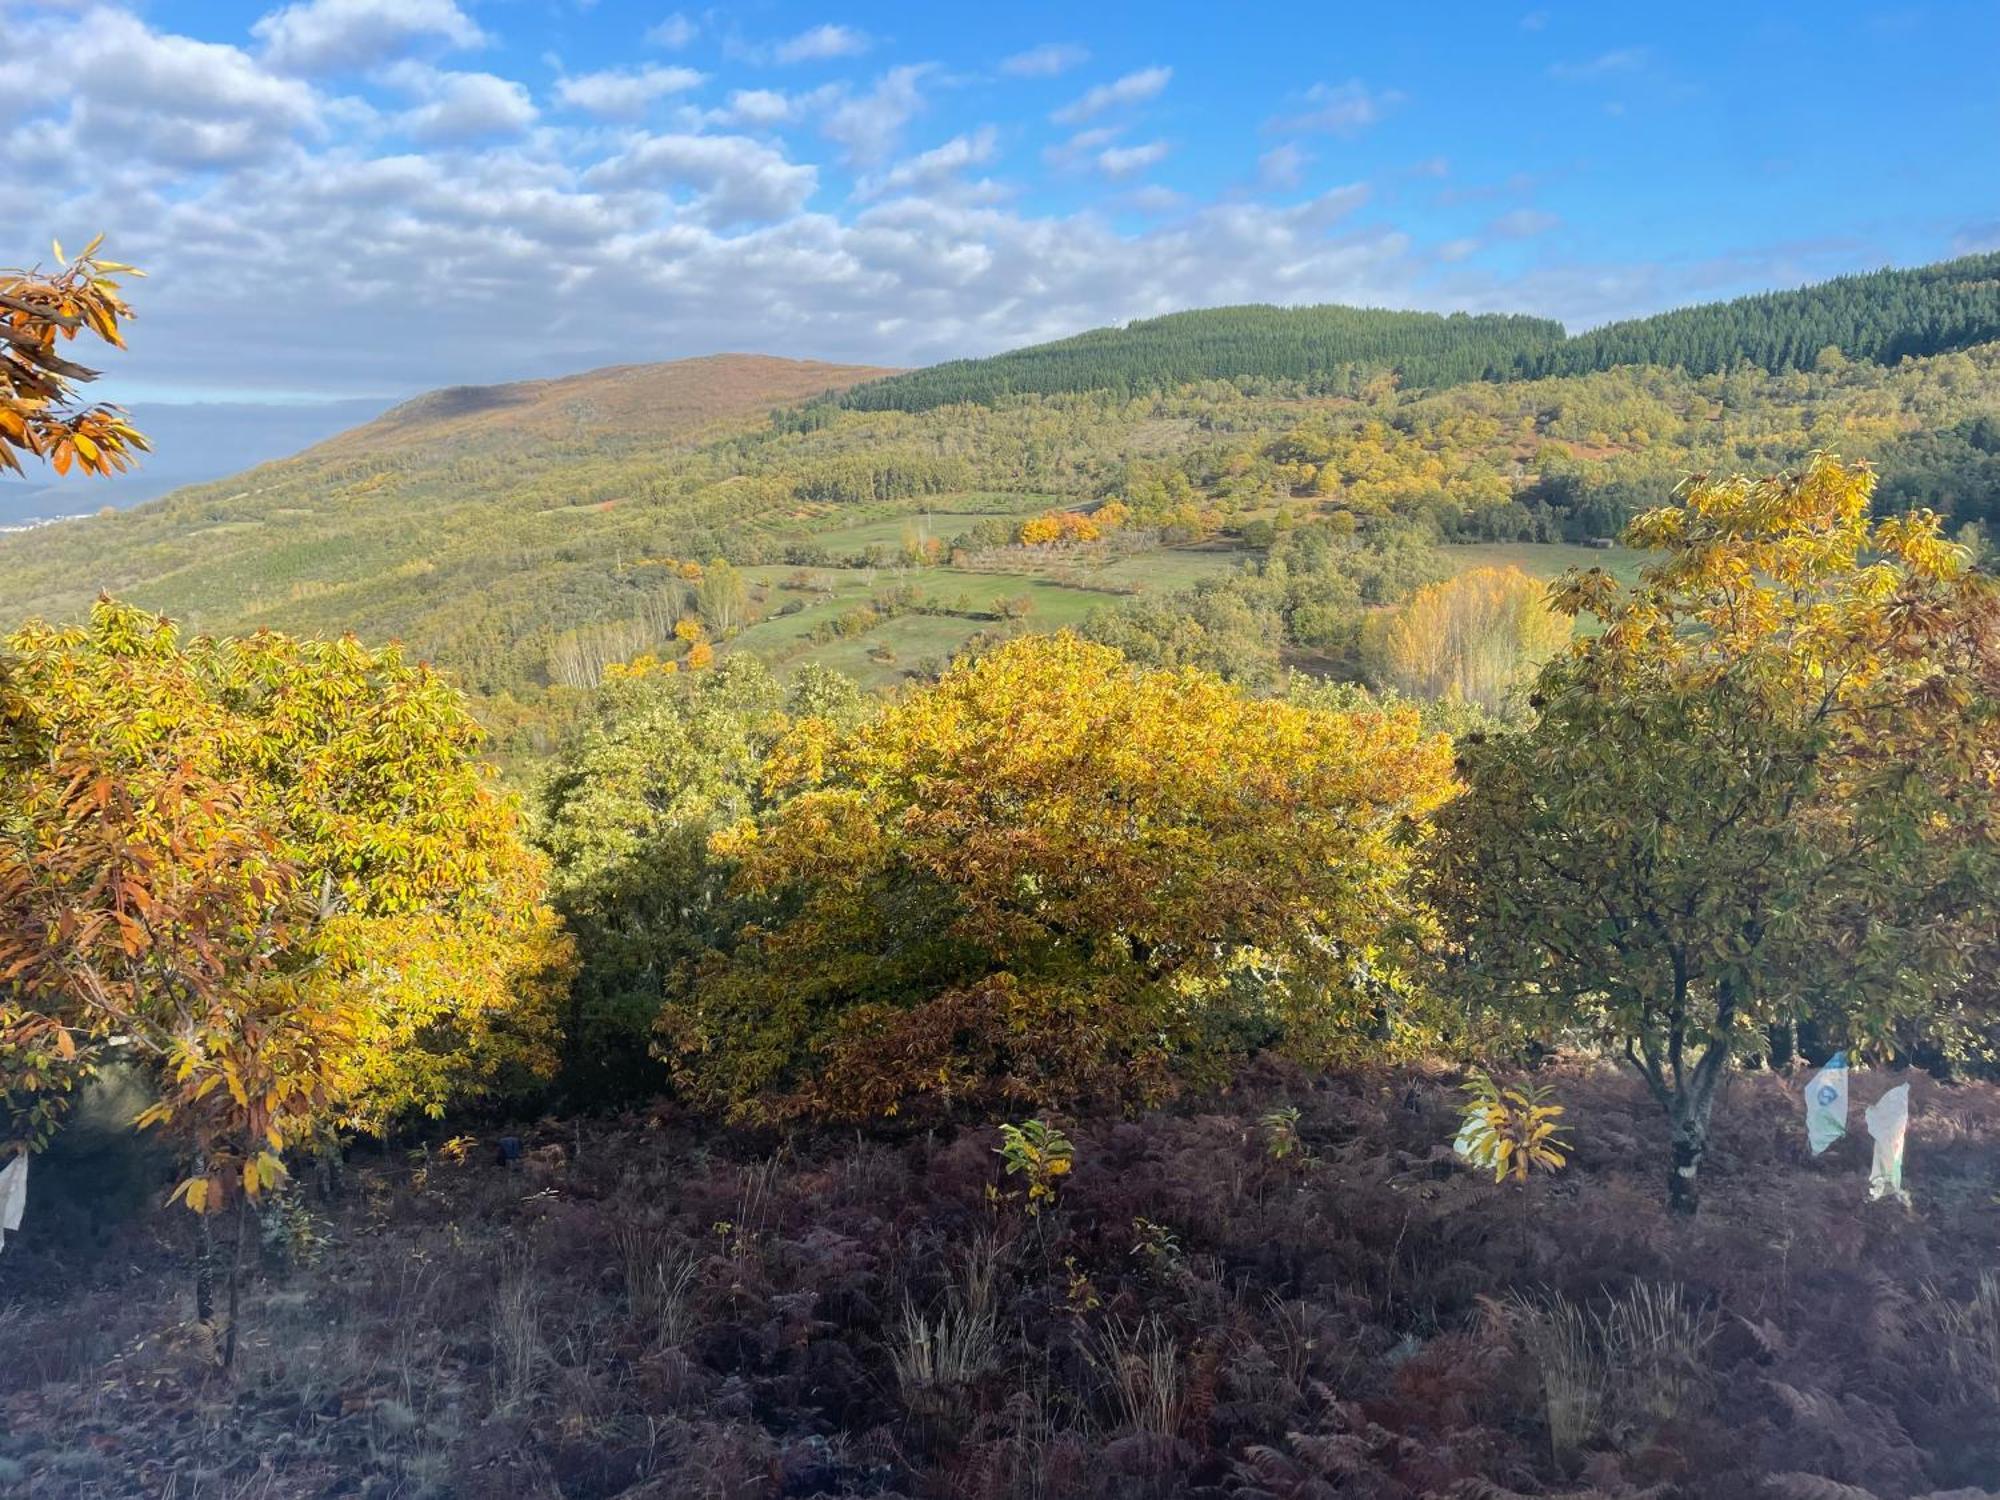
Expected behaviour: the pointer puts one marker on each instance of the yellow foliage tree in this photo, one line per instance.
(1473, 637)
(1050, 877)
(267, 871)
(1763, 793)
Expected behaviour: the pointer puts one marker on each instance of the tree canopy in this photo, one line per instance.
(1053, 877)
(269, 872)
(1763, 791)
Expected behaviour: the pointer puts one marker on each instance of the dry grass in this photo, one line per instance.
(956, 1342)
(518, 1349)
(870, 1323)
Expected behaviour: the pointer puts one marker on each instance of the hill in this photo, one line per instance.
(1321, 345)
(671, 401)
(1882, 317)
(650, 1309)
(522, 537)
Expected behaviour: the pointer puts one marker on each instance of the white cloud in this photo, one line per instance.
(869, 125)
(674, 33)
(148, 99)
(1624, 60)
(1125, 161)
(737, 180)
(1133, 88)
(1523, 223)
(1045, 61)
(704, 231)
(760, 107)
(331, 36)
(821, 43)
(1283, 166)
(625, 93)
(460, 106)
(1343, 109)
(1080, 147)
(940, 164)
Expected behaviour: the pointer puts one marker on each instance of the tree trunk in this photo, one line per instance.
(1683, 1181)
(1693, 1107)
(204, 1271)
(235, 1283)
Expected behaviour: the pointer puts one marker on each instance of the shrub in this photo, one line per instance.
(1048, 879)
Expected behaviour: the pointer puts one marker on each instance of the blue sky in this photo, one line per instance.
(374, 197)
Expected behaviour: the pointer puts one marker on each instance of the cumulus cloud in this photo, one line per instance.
(1126, 161)
(760, 107)
(820, 43)
(138, 95)
(1283, 166)
(1343, 109)
(625, 93)
(331, 36)
(1133, 88)
(1081, 147)
(939, 165)
(707, 228)
(869, 125)
(736, 180)
(1045, 61)
(460, 106)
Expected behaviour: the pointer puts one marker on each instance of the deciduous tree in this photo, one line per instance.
(270, 872)
(1052, 877)
(1766, 787)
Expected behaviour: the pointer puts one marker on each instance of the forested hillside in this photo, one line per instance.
(1251, 530)
(1327, 347)
(1882, 317)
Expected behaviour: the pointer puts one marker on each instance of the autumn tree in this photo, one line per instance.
(1050, 877)
(626, 813)
(722, 598)
(1474, 636)
(268, 872)
(41, 312)
(1764, 789)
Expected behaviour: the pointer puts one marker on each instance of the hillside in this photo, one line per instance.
(1882, 317)
(523, 537)
(1314, 344)
(672, 401)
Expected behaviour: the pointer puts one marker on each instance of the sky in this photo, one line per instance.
(371, 198)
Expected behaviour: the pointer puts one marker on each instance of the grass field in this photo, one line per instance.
(1061, 587)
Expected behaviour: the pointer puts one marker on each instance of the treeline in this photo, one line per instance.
(1881, 317)
(1323, 346)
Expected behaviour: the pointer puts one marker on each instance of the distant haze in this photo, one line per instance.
(192, 444)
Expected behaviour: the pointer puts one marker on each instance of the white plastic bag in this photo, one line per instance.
(1826, 1104)
(13, 1195)
(1888, 1121)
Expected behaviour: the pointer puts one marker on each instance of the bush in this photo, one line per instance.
(1050, 878)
